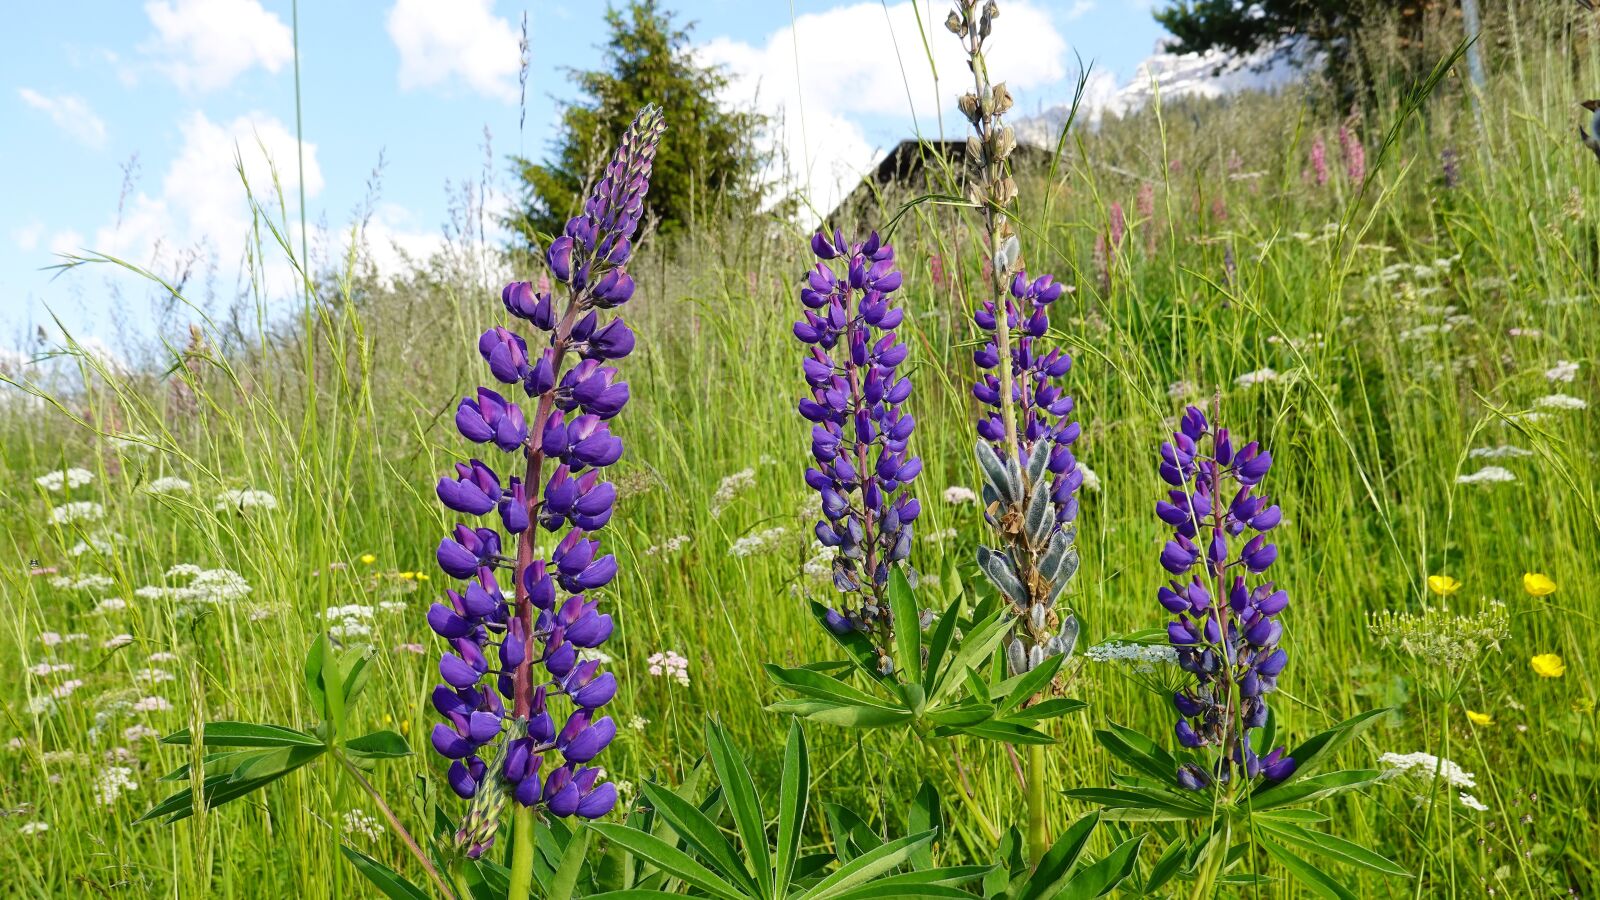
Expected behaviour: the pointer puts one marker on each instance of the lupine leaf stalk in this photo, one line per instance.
(541, 637)
(1029, 471)
(860, 432)
(1225, 630)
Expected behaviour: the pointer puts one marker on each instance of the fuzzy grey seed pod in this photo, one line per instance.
(1035, 658)
(925, 619)
(996, 474)
(1053, 554)
(1040, 516)
(1001, 574)
(885, 666)
(1036, 615)
(1038, 460)
(1068, 638)
(1016, 657)
(1013, 467)
(954, 24)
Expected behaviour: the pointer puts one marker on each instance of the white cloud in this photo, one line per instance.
(70, 114)
(849, 72)
(203, 45)
(28, 236)
(441, 41)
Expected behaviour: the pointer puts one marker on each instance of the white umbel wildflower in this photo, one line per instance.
(1259, 376)
(358, 822)
(957, 494)
(1561, 401)
(1504, 451)
(244, 501)
(730, 488)
(668, 664)
(77, 511)
(1471, 802)
(170, 484)
(1563, 372)
(1426, 765)
(1143, 657)
(112, 782)
(1487, 475)
(757, 542)
(65, 478)
(31, 828)
(669, 546)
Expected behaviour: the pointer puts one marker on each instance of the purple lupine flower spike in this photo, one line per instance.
(1030, 490)
(526, 649)
(860, 429)
(1226, 631)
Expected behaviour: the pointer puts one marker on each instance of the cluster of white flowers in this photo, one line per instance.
(349, 622)
(102, 542)
(243, 500)
(170, 484)
(757, 542)
(1179, 390)
(637, 723)
(82, 582)
(1428, 766)
(1525, 332)
(133, 734)
(1563, 371)
(1143, 657)
(1487, 475)
(1472, 803)
(820, 565)
(1561, 401)
(955, 493)
(205, 586)
(116, 640)
(941, 536)
(670, 545)
(1091, 481)
(670, 665)
(43, 669)
(56, 638)
(153, 675)
(151, 704)
(111, 782)
(110, 605)
(65, 478)
(162, 656)
(1312, 341)
(66, 688)
(730, 488)
(358, 822)
(1504, 451)
(31, 828)
(77, 511)
(1259, 376)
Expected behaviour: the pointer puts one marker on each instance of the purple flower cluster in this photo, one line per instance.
(533, 645)
(1226, 631)
(1030, 490)
(860, 430)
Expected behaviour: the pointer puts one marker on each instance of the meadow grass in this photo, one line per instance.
(1407, 323)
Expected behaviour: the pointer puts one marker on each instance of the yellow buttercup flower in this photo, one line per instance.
(407, 576)
(1443, 585)
(422, 576)
(1478, 718)
(368, 558)
(1538, 584)
(1550, 665)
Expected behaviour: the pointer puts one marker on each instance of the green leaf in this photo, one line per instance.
(1048, 877)
(391, 883)
(1138, 751)
(963, 714)
(378, 745)
(1320, 749)
(818, 685)
(564, 882)
(852, 836)
(1003, 730)
(1030, 683)
(215, 790)
(1166, 866)
(862, 653)
(943, 633)
(1311, 789)
(925, 815)
(1131, 805)
(700, 833)
(907, 625)
(867, 866)
(740, 791)
(244, 734)
(793, 795)
(272, 763)
(978, 645)
(356, 678)
(668, 858)
(1098, 879)
(1335, 847)
(1053, 708)
(312, 668)
(847, 716)
(1307, 874)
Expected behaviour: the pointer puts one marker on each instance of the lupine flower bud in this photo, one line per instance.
(1230, 645)
(496, 754)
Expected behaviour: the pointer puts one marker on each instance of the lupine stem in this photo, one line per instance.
(521, 853)
(1038, 825)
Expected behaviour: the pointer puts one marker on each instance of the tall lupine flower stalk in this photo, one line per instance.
(1225, 628)
(527, 651)
(860, 431)
(1026, 463)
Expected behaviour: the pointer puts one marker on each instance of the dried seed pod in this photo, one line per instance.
(1002, 99)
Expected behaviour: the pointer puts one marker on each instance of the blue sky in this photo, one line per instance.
(121, 121)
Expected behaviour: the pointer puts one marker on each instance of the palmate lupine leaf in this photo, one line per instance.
(391, 883)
